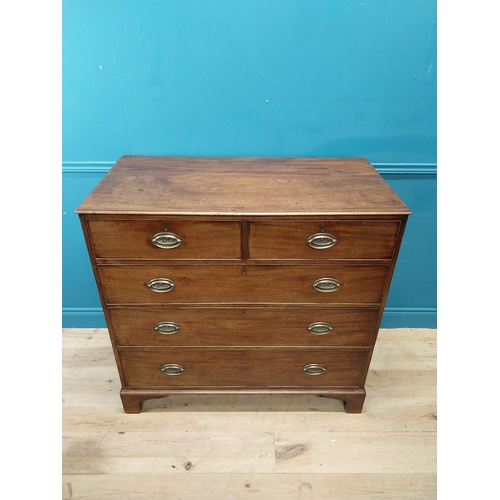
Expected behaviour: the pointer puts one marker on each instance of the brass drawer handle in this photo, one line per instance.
(172, 369)
(166, 240)
(167, 327)
(320, 328)
(314, 369)
(161, 285)
(326, 285)
(320, 241)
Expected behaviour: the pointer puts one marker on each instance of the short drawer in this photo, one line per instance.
(128, 284)
(250, 326)
(149, 239)
(323, 240)
(272, 367)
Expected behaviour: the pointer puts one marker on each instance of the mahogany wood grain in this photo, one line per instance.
(243, 326)
(132, 239)
(106, 311)
(255, 284)
(355, 240)
(242, 186)
(242, 367)
(385, 293)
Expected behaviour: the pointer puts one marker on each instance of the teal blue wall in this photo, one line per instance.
(254, 78)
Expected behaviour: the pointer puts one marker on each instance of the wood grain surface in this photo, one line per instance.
(229, 447)
(354, 240)
(250, 367)
(243, 284)
(243, 232)
(243, 326)
(233, 186)
(133, 239)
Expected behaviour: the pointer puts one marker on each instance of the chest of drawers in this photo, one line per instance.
(242, 275)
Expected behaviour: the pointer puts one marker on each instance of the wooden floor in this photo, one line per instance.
(258, 447)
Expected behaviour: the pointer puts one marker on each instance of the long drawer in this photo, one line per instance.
(322, 240)
(252, 367)
(249, 326)
(152, 239)
(230, 283)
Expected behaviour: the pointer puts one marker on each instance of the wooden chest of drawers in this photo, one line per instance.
(243, 275)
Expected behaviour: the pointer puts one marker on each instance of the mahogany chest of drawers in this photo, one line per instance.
(243, 275)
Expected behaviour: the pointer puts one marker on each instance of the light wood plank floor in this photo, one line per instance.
(259, 447)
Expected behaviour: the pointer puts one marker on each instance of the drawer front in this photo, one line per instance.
(322, 240)
(243, 327)
(146, 239)
(272, 367)
(260, 284)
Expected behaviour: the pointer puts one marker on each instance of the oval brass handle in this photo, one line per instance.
(320, 328)
(172, 369)
(167, 327)
(326, 285)
(320, 241)
(161, 285)
(166, 240)
(314, 369)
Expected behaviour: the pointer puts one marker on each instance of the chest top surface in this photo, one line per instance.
(226, 186)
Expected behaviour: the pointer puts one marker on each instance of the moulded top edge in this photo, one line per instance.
(244, 214)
